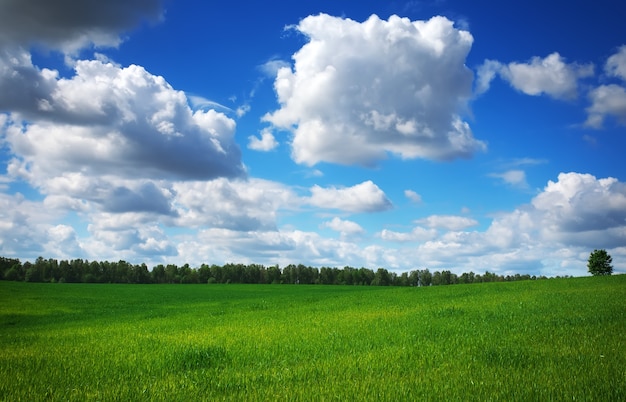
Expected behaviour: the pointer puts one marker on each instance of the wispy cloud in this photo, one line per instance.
(200, 102)
(413, 196)
(514, 178)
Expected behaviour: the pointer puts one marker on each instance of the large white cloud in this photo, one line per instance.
(119, 121)
(580, 203)
(360, 90)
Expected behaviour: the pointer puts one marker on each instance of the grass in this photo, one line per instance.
(558, 339)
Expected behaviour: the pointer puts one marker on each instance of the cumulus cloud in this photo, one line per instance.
(606, 100)
(344, 227)
(358, 91)
(581, 203)
(119, 121)
(232, 204)
(616, 64)
(128, 235)
(267, 142)
(68, 25)
(610, 99)
(105, 143)
(63, 240)
(550, 75)
(363, 197)
(28, 228)
(105, 120)
(273, 247)
(551, 235)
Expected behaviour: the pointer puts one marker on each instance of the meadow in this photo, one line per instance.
(557, 339)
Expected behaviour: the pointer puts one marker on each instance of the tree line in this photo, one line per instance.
(83, 271)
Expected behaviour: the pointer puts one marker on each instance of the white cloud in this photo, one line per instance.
(63, 243)
(514, 177)
(606, 100)
(242, 110)
(224, 221)
(272, 247)
(28, 228)
(552, 235)
(344, 227)
(550, 75)
(236, 205)
(363, 197)
(526, 162)
(609, 100)
(267, 142)
(271, 67)
(108, 120)
(486, 73)
(418, 234)
(413, 196)
(616, 64)
(358, 91)
(131, 236)
(449, 222)
(581, 203)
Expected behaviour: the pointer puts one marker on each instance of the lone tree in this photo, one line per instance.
(600, 263)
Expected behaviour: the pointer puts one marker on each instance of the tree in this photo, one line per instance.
(425, 277)
(600, 263)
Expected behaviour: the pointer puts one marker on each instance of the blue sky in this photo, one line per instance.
(468, 136)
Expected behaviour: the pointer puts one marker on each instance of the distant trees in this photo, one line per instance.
(78, 270)
(600, 263)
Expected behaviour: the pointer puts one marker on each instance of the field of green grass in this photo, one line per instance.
(557, 339)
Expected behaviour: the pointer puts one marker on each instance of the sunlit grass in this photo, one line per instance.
(560, 339)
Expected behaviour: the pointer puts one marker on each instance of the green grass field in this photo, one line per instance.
(558, 339)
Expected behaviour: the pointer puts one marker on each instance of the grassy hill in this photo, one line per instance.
(558, 339)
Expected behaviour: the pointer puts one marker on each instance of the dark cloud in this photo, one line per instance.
(147, 198)
(22, 86)
(71, 24)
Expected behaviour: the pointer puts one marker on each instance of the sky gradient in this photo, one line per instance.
(405, 135)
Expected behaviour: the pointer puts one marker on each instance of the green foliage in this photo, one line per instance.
(560, 339)
(600, 263)
(79, 270)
